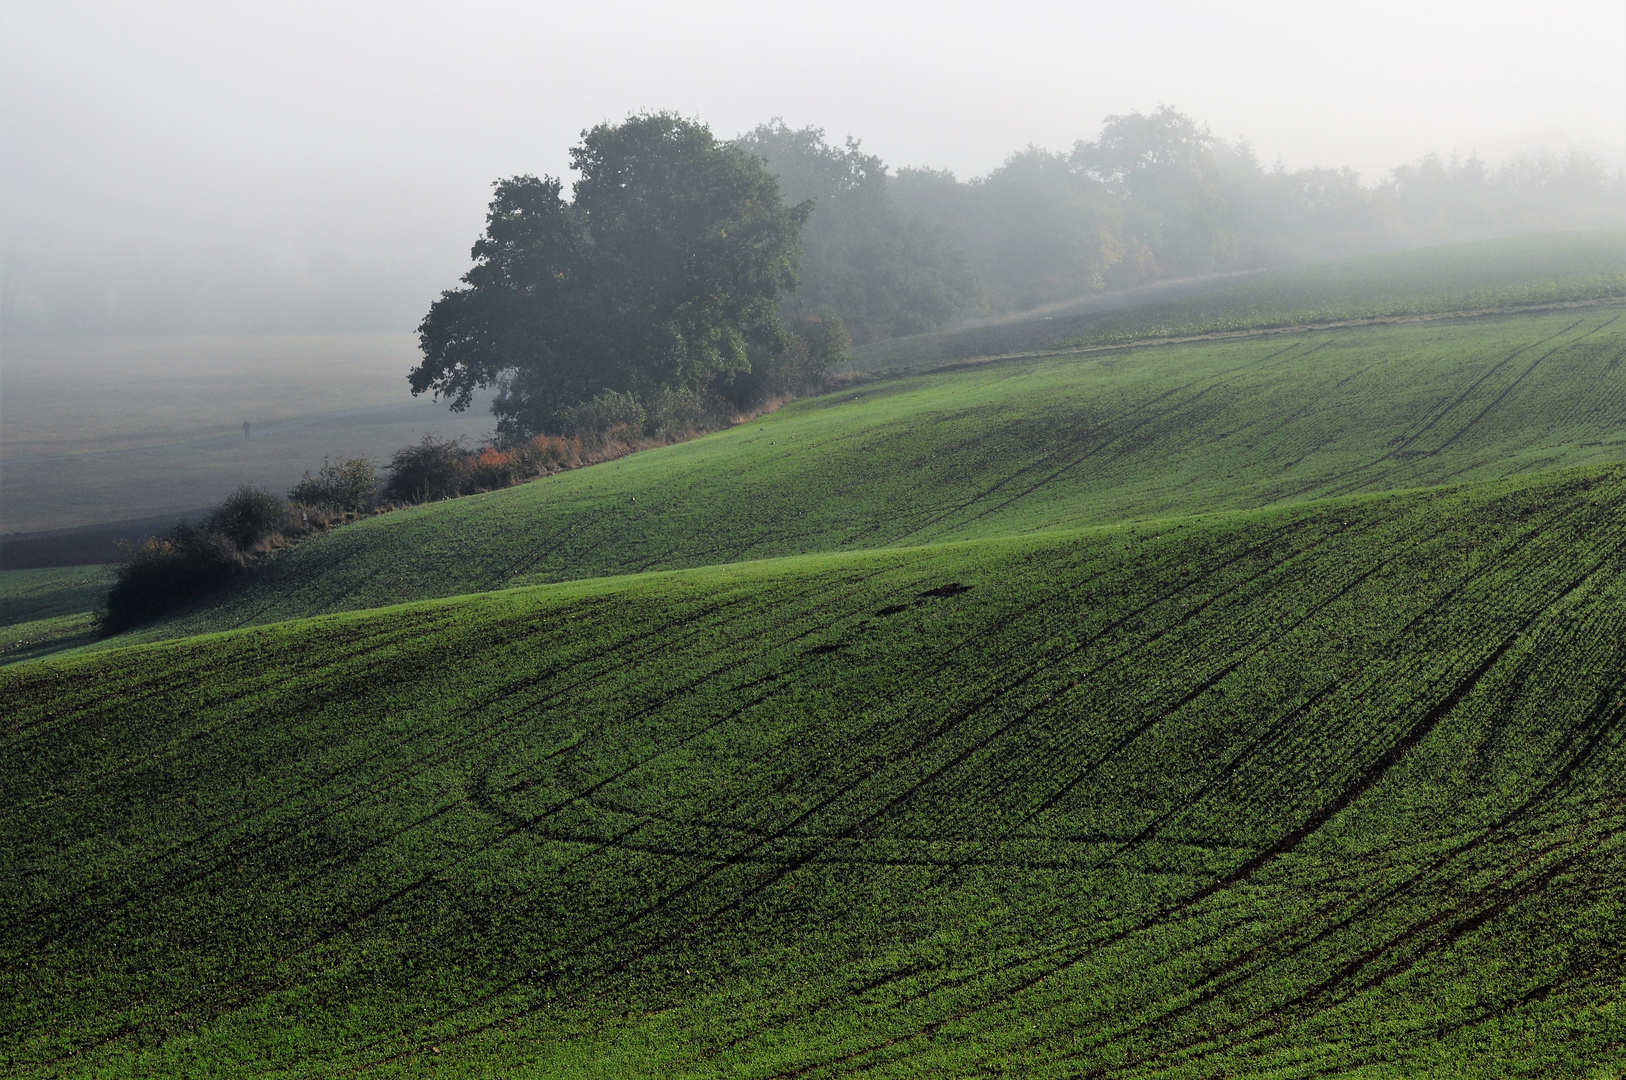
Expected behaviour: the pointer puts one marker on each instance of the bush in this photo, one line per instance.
(248, 516)
(163, 572)
(491, 468)
(544, 453)
(611, 411)
(348, 486)
(428, 470)
(672, 412)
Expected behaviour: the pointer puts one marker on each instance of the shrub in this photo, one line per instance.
(163, 572)
(429, 469)
(348, 486)
(248, 516)
(491, 468)
(672, 412)
(610, 411)
(545, 452)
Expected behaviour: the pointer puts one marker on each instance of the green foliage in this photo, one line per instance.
(428, 470)
(1331, 789)
(351, 486)
(247, 517)
(1162, 169)
(1036, 230)
(884, 271)
(164, 572)
(1007, 448)
(663, 272)
(606, 412)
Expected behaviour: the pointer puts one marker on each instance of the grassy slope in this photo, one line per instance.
(1009, 448)
(45, 611)
(1518, 271)
(1327, 788)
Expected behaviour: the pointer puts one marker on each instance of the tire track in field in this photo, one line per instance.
(1260, 960)
(1073, 460)
(1515, 384)
(658, 944)
(788, 830)
(1363, 783)
(1325, 486)
(496, 697)
(1283, 724)
(975, 976)
(428, 877)
(759, 887)
(658, 638)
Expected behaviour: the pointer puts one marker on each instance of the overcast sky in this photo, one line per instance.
(353, 143)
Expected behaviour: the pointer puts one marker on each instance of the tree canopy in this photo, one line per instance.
(663, 272)
(885, 271)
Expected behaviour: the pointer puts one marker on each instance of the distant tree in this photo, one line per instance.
(883, 271)
(1052, 230)
(1036, 229)
(663, 272)
(1162, 167)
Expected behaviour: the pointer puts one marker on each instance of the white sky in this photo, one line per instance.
(365, 135)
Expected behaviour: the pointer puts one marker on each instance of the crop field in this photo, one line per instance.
(45, 611)
(1335, 788)
(1238, 707)
(1523, 271)
(1008, 448)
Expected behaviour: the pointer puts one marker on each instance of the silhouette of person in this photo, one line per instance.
(245, 429)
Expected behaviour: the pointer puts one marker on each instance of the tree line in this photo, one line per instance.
(690, 273)
(1153, 196)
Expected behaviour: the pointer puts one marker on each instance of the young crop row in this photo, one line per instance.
(1578, 267)
(1009, 449)
(1282, 791)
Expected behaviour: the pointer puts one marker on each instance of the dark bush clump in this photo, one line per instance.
(348, 487)
(428, 470)
(163, 572)
(248, 516)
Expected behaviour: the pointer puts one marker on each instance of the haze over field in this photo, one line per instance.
(304, 168)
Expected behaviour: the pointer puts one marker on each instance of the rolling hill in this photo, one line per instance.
(1009, 448)
(1248, 707)
(1312, 790)
(1513, 272)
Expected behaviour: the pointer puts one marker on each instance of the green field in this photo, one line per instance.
(46, 611)
(1290, 791)
(1519, 272)
(1243, 708)
(1008, 448)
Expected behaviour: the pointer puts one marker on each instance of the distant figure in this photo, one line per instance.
(245, 429)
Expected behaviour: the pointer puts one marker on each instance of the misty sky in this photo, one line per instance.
(351, 145)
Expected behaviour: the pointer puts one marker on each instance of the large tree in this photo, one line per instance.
(662, 272)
